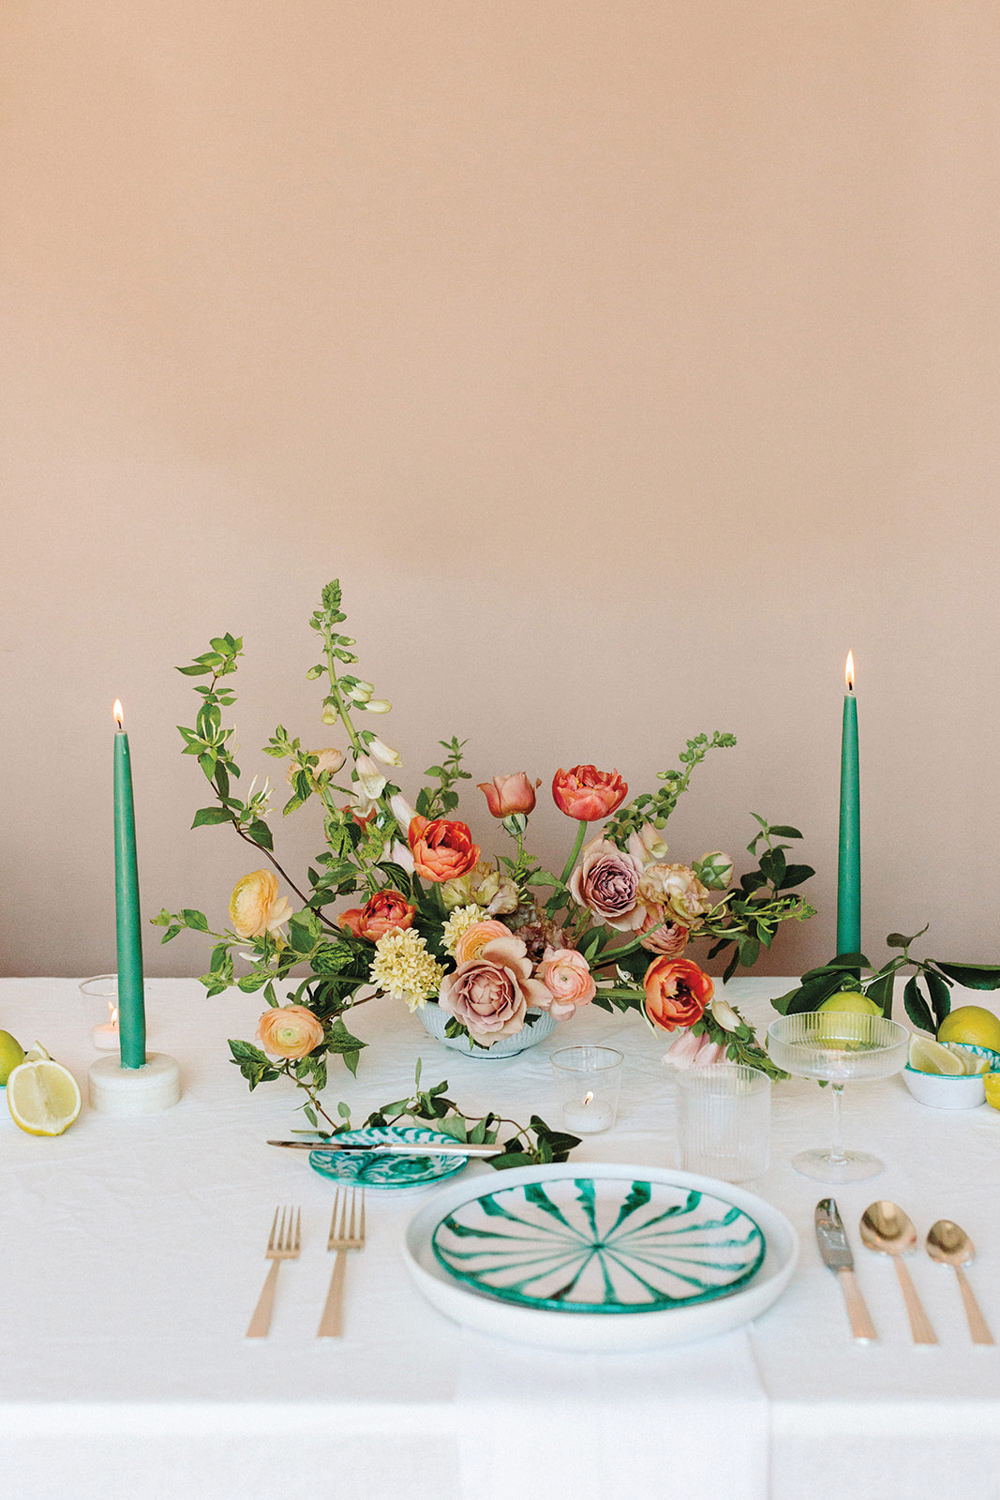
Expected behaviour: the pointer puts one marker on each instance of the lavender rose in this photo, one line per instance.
(490, 994)
(607, 881)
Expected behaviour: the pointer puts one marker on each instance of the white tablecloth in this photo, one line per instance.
(132, 1253)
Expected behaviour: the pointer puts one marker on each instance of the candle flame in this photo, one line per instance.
(588, 1098)
(849, 671)
(112, 1014)
(119, 713)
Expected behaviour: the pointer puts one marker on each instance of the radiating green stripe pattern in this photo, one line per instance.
(371, 1170)
(603, 1245)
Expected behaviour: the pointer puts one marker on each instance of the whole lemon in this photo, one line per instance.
(11, 1056)
(853, 1001)
(971, 1023)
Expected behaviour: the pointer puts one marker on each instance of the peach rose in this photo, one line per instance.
(255, 906)
(489, 995)
(289, 1031)
(586, 793)
(442, 849)
(678, 889)
(474, 939)
(509, 794)
(384, 911)
(677, 992)
(567, 977)
(607, 882)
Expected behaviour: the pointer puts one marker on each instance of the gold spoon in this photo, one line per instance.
(948, 1244)
(885, 1228)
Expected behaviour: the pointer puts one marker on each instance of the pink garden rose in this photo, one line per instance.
(667, 936)
(509, 794)
(567, 977)
(490, 994)
(607, 882)
(289, 1031)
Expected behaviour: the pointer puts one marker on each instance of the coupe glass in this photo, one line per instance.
(838, 1047)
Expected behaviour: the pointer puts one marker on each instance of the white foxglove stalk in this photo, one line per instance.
(402, 811)
(376, 706)
(384, 752)
(361, 691)
(370, 780)
(723, 1014)
(646, 844)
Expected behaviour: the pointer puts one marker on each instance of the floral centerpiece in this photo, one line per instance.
(496, 941)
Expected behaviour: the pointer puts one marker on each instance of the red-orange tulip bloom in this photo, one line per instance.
(586, 793)
(442, 850)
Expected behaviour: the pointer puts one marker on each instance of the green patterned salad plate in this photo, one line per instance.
(370, 1170)
(595, 1244)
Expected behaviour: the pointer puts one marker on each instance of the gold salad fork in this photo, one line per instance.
(346, 1233)
(282, 1245)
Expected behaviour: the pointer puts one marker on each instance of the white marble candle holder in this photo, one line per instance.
(115, 1090)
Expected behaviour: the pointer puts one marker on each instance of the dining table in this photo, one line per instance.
(133, 1253)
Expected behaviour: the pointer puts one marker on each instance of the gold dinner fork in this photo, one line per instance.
(282, 1245)
(345, 1234)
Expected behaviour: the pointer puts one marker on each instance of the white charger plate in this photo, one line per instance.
(590, 1331)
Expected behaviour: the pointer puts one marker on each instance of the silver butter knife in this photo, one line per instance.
(836, 1253)
(394, 1148)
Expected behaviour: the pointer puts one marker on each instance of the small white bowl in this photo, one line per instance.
(941, 1091)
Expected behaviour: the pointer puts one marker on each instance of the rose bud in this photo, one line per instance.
(587, 794)
(509, 794)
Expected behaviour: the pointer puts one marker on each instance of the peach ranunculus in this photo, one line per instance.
(567, 977)
(474, 939)
(255, 906)
(442, 849)
(677, 992)
(289, 1031)
(667, 936)
(606, 881)
(490, 994)
(588, 794)
(384, 911)
(509, 794)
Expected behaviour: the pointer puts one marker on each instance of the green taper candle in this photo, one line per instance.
(131, 1006)
(849, 866)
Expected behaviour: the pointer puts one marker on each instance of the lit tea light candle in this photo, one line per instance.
(589, 1116)
(106, 1036)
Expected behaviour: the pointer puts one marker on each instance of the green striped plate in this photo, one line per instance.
(601, 1245)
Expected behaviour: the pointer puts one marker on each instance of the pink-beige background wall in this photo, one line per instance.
(628, 362)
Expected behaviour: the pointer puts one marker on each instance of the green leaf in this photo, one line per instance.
(971, 976)
(250, 983)
(795, 875)
(880, 990)
(195, 671)
(206, 816)
(897, 940)
(340, 1040)
(195, 920)
(810, 994)
(938, 990)
(916, 1006)
(784, 831)
(261, 834)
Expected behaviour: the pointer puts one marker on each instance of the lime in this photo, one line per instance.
(926, 1056)
(971, 1023)
(11, 1055)
(991, 1083)
(43, 1097)
(853, 1001)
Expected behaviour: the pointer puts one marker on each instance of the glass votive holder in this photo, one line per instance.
(100, 1004)
(587, 1082)
(724, 1121)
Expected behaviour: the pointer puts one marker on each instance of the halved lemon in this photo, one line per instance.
(926, 1056)
(43, 1097)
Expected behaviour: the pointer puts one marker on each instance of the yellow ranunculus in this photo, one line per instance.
(255, 907)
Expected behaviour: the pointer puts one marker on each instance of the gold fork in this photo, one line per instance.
(282, 1245)
(345, 1234)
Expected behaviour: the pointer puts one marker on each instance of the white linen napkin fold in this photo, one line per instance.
(604, 1429)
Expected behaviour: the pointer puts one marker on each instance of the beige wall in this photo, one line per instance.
(628, 362)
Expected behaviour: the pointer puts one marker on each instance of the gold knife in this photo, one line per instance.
(394, 1148)
(836, 1253)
